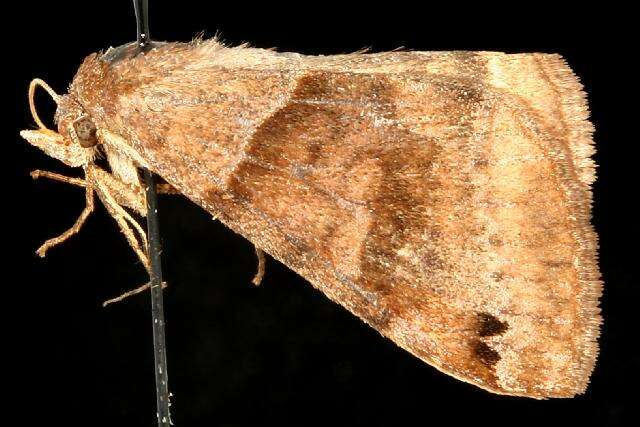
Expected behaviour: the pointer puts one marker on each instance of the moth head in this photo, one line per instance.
(75, 141)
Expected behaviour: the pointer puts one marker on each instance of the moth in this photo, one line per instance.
(444, 198)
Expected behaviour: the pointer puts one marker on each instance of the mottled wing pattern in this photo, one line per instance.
(444, 198)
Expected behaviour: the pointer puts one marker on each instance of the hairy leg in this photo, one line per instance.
(42, 250)
(125, 222)
(257, 279)
(131, 293)
(129, 195)
(57, 177)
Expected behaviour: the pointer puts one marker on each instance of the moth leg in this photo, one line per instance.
(89, 206)
(129, 195)
(130, 293)
(57, 177)
(257, 279)
(121, 194)
(125, 222)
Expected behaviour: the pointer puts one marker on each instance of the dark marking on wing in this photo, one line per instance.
(489, 325)
(311, 154)
(497, 276)
(485, 354)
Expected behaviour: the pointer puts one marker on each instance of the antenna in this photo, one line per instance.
(153, 231)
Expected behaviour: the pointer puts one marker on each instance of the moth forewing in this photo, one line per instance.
(442, 197)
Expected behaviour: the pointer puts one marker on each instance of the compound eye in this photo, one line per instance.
(85, 130)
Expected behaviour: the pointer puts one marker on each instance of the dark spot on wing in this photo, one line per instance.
(497, 276)
(489, 325)
(485, 354)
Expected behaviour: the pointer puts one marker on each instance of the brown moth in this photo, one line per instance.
(442, 197)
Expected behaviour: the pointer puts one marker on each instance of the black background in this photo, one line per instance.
(281, 353)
